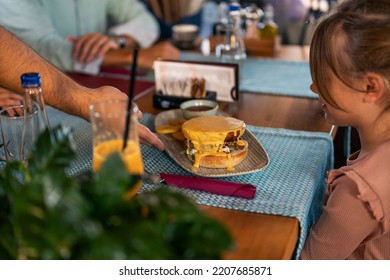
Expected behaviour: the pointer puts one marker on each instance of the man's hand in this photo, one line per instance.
(91, 46)
(161, 50)
(149, 138)
(107, 92)
(94, 45)
(8, 99)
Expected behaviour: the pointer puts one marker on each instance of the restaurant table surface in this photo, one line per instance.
(257, 235)
(274, 235)
(292, 185)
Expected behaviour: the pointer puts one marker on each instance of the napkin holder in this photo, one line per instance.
(175, 81)
(167, 102)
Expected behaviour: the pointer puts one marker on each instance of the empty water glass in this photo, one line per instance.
(16, 146)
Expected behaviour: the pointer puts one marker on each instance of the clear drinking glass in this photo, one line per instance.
(15, 119)
(108, 119)
(229, 46)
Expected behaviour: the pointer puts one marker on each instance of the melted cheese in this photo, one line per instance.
(207, 134)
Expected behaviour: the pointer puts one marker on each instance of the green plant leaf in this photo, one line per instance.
(53, 151)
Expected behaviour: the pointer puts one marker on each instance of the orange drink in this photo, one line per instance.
(108, 119)
(131, 155)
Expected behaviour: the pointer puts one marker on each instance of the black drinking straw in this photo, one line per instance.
(130, 94)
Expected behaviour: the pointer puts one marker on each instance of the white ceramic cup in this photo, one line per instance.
(185, 33)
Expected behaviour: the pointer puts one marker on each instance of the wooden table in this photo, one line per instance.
(259, 110)
(261, 236)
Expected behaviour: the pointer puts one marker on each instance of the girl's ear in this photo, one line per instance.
(374, 86)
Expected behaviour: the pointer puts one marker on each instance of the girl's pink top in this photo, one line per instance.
(355, 223)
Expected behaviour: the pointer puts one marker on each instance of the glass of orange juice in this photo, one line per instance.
(108, 119)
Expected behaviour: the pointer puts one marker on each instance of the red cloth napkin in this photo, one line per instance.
(210, 185)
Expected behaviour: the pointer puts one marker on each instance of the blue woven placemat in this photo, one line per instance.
(81, 137)
(292, 185)
(270, 76)
(291, 78)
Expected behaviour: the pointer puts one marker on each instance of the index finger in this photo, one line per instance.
(147, 137)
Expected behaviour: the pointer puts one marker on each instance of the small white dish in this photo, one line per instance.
(198, 107)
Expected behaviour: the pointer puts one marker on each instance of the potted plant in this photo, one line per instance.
(47, 215)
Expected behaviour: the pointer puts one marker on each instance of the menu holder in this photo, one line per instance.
(178, 81)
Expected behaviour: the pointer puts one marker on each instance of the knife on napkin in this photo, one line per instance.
(209, 185)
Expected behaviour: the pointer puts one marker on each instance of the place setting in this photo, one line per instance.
(191, 84)
(253, 157)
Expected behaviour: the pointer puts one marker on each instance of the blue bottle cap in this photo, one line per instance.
(234, 7)
(31, 79)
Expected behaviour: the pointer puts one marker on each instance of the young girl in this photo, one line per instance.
(350, 68)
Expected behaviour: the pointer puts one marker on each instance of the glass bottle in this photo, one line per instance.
(237, 44)
(31, 83)
(35, 118)
(233, 49)
(253, 14)
(223, 11)
(268, 29)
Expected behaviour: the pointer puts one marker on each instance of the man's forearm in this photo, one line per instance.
(58, 89)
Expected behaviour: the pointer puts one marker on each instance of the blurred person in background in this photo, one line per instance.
(171, 12)
(83, 35)
(296, 18)
(290, 16)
